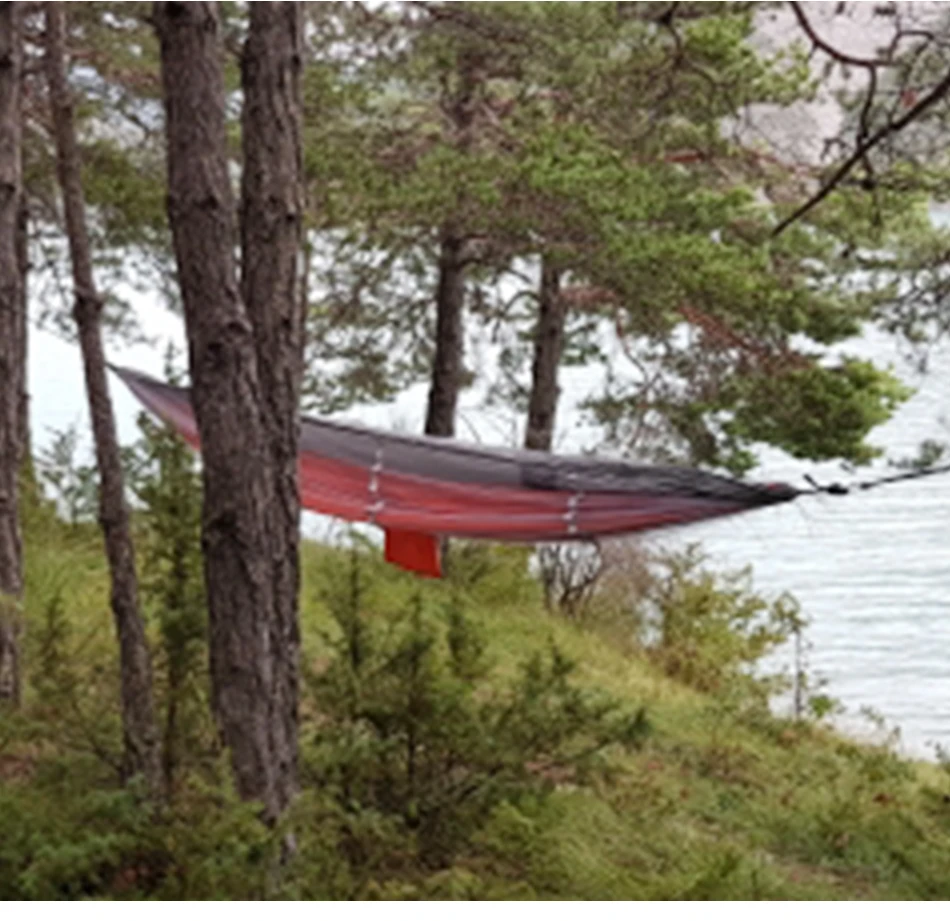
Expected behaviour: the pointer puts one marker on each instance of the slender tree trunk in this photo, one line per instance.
(548, 346)
(141, 737)
(239, 492)
(11, 305)
(447, 365)
(542, 411)
(271, 221)
(449, 338)
(22, 341)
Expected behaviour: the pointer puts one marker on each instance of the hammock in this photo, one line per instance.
(419, 489)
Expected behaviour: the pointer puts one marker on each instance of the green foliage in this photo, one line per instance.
(596, 143)
(164, 478)
(413, 741)
(459, 742)
(74, 484)
(710, 630)
(113, 72)
(65, 847)
(53, 677)
(721, 800)
(819, 412)
(68, 835)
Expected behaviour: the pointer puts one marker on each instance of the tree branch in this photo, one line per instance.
(841, 57)
(935, 95)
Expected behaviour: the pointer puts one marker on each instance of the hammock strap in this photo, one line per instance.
(840, 489)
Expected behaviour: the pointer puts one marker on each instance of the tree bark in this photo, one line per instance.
(271, 222)
(449, 338)
(141, 738)
(11, 305)
(239, 491)
(446, 381)
(548, 347)
(22, 341)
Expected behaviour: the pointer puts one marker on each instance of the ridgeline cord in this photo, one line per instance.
(839, 489)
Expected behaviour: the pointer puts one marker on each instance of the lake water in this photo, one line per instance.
(871, 569)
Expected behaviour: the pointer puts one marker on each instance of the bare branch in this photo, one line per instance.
(842, 57)
(938, 92)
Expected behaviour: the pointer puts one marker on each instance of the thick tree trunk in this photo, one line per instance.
(449, 338)
(141, 738)
(271, 221)
(548, 346)
(11, 305)
(239, 494)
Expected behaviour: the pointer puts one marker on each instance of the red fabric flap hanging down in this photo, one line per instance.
(414, 551)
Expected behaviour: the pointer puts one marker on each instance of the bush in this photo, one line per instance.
(417, 747)
(709, 630)
(163, 476)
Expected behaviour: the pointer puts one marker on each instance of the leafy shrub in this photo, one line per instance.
(709, 630)
(416, 745)
(69, 834)
(60, 843)
(492, 575)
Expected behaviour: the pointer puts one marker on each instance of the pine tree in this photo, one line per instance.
(141, 738)
(594, 143)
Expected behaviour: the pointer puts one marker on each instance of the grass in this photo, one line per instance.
(720, 802)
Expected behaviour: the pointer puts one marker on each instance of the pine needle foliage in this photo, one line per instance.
(411, 731)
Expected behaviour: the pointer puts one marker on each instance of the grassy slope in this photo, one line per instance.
(712, 807)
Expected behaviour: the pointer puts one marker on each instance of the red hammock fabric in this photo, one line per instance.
(420, 489)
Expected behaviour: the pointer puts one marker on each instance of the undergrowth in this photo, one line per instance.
(458, 740)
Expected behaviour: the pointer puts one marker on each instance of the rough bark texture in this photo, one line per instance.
(239, 551)
(449, 338)
(548, 346)
(141, 739)
(11, 305)
(271, 221)
(447, 364)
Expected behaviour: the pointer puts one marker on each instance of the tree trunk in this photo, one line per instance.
(449, 338)
(25, 437)
(239, 492)
(446, 381)
(548, 346)
(141, 738)
(11, 305)
(271, 221)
